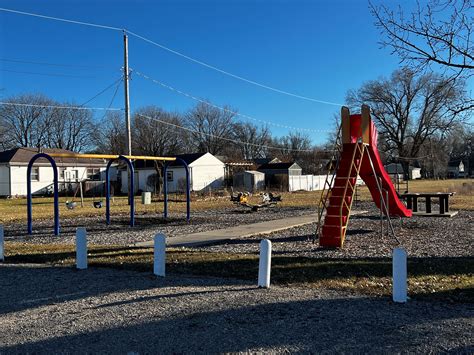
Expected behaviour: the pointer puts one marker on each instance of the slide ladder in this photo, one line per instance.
(342, 195)
(359, 157)
(323, 203)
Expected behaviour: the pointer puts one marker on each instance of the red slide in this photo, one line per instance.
(371, 170)
(395, 206)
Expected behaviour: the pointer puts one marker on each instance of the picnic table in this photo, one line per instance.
(412, 201)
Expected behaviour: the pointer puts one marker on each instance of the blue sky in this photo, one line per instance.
(319, 49)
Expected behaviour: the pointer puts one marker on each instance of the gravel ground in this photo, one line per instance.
(60, 310)
(420, 236)
(147, 226)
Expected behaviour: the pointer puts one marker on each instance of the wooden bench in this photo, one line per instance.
(443, 197)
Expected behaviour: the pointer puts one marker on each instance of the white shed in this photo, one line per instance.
(249, 180)
(206, 171)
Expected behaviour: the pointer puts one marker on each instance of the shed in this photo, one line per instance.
(249, 180)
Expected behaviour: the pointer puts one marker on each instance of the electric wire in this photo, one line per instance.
(102, 91)
(177, 53)
(61, 19)
(47, 74)
(227, 110)
(224, 138)
(59, 106)
(271, 88)
(52, 64)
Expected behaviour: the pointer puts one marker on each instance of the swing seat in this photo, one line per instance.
(97, 204)
(71, 205)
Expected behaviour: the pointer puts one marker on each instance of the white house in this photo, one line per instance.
(14, 163)
(206, 171)
(456, 169)
(395, 170)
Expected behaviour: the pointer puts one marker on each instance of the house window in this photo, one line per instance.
(35, 174)
(169, 176)
(61, 173)
(93, 174)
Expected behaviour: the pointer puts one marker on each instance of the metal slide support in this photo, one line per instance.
(130, 192)
(384, 204)
(188, 190)
(29, 202)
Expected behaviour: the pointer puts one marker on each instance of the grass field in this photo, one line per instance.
(449, 279)
(14, 210)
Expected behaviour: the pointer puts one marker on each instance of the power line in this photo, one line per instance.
(225, 109)
(59, 106)
(102, 91)
(223, 138)
(61, 19)
(209, 66)
(52, 64)
(48, 74)
(232, 75)
(113, 98)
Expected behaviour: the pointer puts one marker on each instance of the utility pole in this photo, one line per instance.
(127, 100)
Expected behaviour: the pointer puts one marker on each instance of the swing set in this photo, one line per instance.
(98, 204)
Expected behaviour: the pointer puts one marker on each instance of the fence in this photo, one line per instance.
(310, 182)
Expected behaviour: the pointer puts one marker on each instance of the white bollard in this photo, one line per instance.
(2, 241)
(399, 270)
(159, 257)
(265, 262)
(81, 248)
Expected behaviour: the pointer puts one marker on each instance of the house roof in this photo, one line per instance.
(188, 158)
(279, 166)
(24, 155)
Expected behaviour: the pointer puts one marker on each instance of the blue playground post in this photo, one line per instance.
(188, 190)
(29, 202)
(130, 193)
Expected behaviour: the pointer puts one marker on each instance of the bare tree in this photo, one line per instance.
(254, 140)
(155, 132)
(410, 108)
(210, 127)
(292, 146)
(25, 122)
(110, 137)
(70, 129)
(439, 33)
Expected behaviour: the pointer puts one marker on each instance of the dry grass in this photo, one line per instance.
(448, 279)
(14, 210)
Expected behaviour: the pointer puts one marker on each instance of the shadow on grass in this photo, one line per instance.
(429, 275)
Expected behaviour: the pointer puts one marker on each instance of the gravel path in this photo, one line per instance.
(420, 236)
(60, 310)
(147, 226)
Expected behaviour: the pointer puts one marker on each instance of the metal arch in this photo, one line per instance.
(130, 192)
(29, 200)
(188, 187)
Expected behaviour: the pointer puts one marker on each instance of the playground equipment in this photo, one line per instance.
(358, 156)
(268, 200)
(98, 204)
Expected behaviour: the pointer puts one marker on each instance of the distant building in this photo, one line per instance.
(395, 170)
(277, 174)
(456, 169)
(206, 171)
(249, 180)
(71, 171)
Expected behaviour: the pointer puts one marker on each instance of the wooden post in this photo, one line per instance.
(345, 125)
